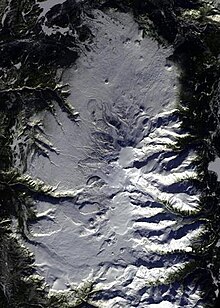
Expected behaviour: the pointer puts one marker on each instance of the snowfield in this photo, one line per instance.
(127, 228)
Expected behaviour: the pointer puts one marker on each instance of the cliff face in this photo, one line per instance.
(109, 119)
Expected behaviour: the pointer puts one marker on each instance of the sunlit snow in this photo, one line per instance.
(121, 225)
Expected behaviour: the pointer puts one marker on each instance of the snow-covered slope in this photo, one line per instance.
(125, 219)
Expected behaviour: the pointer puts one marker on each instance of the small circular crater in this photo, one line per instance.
(91, 222)
(137, 42)
(127, 41)
(169, 67)
(99, 235)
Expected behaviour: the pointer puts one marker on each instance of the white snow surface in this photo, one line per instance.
(130, 212)
(215, 166)
(47, 5)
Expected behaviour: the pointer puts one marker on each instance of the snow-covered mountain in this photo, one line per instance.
(100, 144)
